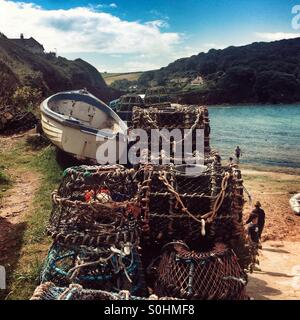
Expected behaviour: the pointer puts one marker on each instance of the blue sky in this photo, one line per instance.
(133, 35)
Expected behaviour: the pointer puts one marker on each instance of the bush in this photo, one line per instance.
(4, 180)
(27, 97)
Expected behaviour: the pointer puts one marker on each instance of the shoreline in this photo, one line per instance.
(254, 104)
(270, 169)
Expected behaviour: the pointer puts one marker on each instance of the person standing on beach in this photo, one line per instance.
(253, 234)
(261, 217)
(238, 153)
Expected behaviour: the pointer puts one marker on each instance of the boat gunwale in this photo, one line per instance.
(90, 99)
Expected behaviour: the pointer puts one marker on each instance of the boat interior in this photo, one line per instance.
(86, 114)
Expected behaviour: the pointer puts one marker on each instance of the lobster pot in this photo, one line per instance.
(93, 223)
(95, 206)
(118, 180)
(227, 227)
(185, 118)
(200, 210)
(214, 275)
(94, 268)
(167, 220)
(49, 291)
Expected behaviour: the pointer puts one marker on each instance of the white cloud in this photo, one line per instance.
(102, 6)
(83, 29)
(158, 24)
(132, 66)
(273, 36)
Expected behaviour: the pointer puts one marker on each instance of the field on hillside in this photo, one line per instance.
(109, 78)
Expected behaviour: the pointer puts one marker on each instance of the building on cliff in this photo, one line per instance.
(30, 44)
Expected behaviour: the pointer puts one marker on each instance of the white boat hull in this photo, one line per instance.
(295, 203)
(81, 141)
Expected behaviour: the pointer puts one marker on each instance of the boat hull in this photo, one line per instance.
(295, 203)
(82, 142)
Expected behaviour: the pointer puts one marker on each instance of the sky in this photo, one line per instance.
(138, 35)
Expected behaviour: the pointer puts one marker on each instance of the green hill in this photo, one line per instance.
(46, 72)
(256, 73)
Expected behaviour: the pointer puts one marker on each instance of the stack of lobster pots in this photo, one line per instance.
(95, 229)
(155, 229)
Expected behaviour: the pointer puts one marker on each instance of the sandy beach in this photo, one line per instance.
(279, 274)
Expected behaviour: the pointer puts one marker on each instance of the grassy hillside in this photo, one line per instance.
(256, 73)
(19, 67)
(109, 78)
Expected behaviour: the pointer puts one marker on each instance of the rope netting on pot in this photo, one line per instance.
(93, 223)
(227, 226)
(95, 227)
(199, 209)
(105, 268)
(213, 275)
(118, 180)
(188, 119)
(49, 291)
(95, 205)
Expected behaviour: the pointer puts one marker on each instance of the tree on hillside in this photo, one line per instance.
(262, 72)
(237, 84)
(275, 87)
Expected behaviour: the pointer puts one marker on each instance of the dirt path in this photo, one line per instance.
(14, 206)
(13, 210)
(279, 278)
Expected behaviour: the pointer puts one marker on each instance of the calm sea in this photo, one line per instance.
(268, 135)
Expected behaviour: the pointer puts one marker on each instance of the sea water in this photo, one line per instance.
(269, 135)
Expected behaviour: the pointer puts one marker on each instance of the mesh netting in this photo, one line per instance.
(78, 222)
(185, 118)
(116, 178)
(102, 214)
(105, 268)
(197, 209)
(203, 276)
(96, 231)
(94, 206)
(49, 291)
